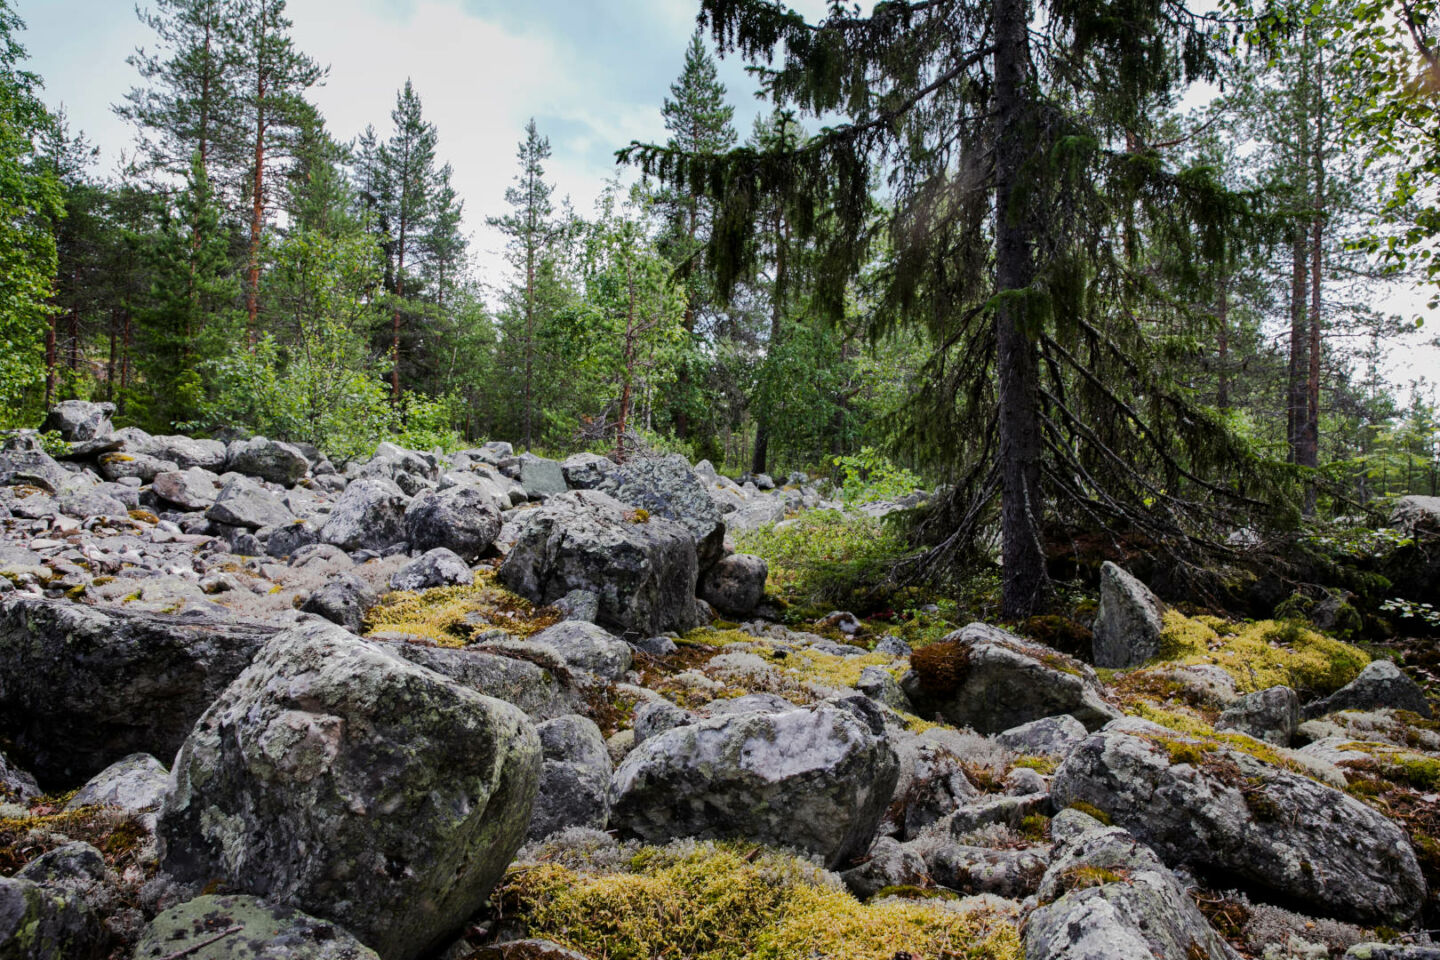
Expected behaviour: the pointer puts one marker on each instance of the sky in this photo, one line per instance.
(592, 73)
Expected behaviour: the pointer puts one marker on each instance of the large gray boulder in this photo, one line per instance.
(187, 452)
(1128, 626)
(82, 687)
(259, 931)
(643, 569)
(541, 478)
(79, 420)
(1381, 685)
(269, 460)
(465, 519)
(586, 471)
(575, 778)
(735, 585)
(1048, 736)
(16, 784)
(1223, 810)
(586, 646)
(195, 488)
(990, 680)
(82, 504)
(140, 466)
(435, 568)
(543, 694)
(22, 462)
(815, 779)
(1271, 714)
(244, 503)
(1417, 514)
(667, 487)
(1106, 897)
(339, 778)
(369, 515)
(344, 600)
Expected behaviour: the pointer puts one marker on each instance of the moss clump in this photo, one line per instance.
(1264, 654)
(941, 667)
(712, 901)
(1090, 810)
(1041, 765)
(144, 516)
(117, 458)
(1080, 878)
(1182, 751)
(637, 516)
(1035, 827)
(456, 616)
(1177, 720)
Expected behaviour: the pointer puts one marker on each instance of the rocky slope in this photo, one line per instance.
(482, 705)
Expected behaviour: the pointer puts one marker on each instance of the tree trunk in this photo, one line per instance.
(257, 210)
(1311, 433)
(1023, 558)
(395, 320)
(761, 453)
(1222, 390)
(1295, 410)
(50, 361)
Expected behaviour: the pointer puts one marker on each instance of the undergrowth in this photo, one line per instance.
(457, 616)
(1264, 654)
(826, 559)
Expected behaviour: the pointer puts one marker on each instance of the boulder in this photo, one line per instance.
(1128, 626)
(465, 519)
(1226, 811)
(1380, 685)
(338, 778)
(815, 779)
(643, 570)
(575, 777)
(186, 452)
(244, 503)
(972, 870)
(990, 680)
(543, 694)
(25, 464)
(343, 600)
(1416, 515)
(657, 716)
(1109, 898)
(1048, 736)
(586, 471)
(932, 785)
(436, 568)
(578, 605)
(245, 928)
(82, 504)
(40, 923)
(369, 515)
(667, 487)
(195, 488)
(1271, 715)
(82, 687)
(541, 478)
(267, 459)
(760, 512)
(887, 864)
(16, 785)
(735, 585)
(287, 540)
(586, 646)
(141, 466)
(880, 685)
(136, 784)
(79, 420)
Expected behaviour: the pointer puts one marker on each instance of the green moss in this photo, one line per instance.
(909, 892)
(1264, 654)
(1090, 810)
(144, 516)
(454, 616)
(1035, 827)
(1041, 765)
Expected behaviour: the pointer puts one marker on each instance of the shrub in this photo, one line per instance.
(828, 559)
(870, 476)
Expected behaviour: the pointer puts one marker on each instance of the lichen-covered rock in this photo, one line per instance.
(435, 568)
(815, 779)
(932, 784)
(887, 864)
(668, 488)
(141, 466)
(245, 928)
(1128, 626)
(82, 504)
(586, 471)
(464, 518)
(287, 540)
(343, 600)
(526, 950)
(369, 515)
(40, 923)
(541, 693)
(1225, 810)
(244, 503)
(16, 784)
(541, 478)
(22, 461)
(975, 870)
(586, 646)
(335, 776)
(82, 687)
(1392, 951)
(1271, 714)
(187, 452)
(136, 784)
(642, 568)
(1416, 514)
(657, 716)
(1048, 736)
(880, 685)
(189, 489)
(575, 777)
(269, 460)
(80, 420)
(1106, 897)
(735, 585)
(990, 680)
(1380, 685)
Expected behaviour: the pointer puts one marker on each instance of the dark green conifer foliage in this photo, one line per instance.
(1000, 132)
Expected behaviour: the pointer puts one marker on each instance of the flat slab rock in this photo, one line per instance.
(245, 928)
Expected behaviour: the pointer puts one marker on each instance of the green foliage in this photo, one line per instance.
(870, 476)
(53, 444)
(1412, 610)
(828, 559)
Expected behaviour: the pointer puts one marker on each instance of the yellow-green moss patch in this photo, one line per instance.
(455, 616)
(1264, 654)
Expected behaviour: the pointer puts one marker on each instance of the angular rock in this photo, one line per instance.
(1108, 898)
(269, 460)
(976, 870)
(336, 777)
(1128, 626)
(24, 465)
(465, 519)
(667, 487)
(586, 471)
(192, 489)
(933, 784)
(82, 687)
(92, 503)
(814, 779)
(369, 515)
(541, 478)
(1247, 820)
(187, 452)
(1392, 951)
(1048, 736)
(437, 568)
(736, 584)
(145, 468)
(344, 600)
(1380, 685)
(262, 931)
(136, 784)
(990, 680)
(1270, 715)
(541, 693)
(586, 646)
(244, 503)
(655, 717)
(643, 572)
(575, 777)
(80, 420)
(1417, 515)
(16, 785)
(287, 540)
(888, 864)
(579, 605)
(38, 923)
(880, 685)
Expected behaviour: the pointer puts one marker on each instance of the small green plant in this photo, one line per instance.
(870, 476)
(1412, 610)
(53, 444)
